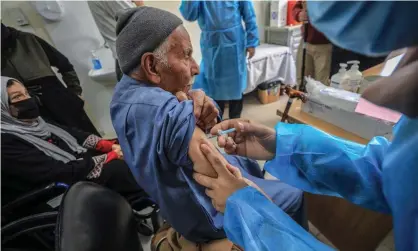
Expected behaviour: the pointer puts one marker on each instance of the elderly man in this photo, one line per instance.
(160, 136)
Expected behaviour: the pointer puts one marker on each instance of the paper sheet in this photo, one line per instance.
(372, 110)
(390, 65)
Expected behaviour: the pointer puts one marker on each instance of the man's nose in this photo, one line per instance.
(195, 68)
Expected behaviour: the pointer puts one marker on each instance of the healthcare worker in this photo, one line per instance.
(382, 175)
(225, 45)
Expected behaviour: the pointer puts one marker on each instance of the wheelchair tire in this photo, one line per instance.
(29, 224)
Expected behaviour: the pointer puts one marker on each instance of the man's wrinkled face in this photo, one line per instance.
(179, 71)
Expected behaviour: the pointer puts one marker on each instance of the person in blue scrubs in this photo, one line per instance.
(225, 45)
(381, 175)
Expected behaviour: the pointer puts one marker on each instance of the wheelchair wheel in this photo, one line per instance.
(37, 229)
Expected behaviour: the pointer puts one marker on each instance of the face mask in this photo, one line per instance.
(26, 109)
(372, 28)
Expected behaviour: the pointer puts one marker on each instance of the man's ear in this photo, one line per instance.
(148, 64)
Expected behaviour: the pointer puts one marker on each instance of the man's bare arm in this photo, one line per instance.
(200, 163)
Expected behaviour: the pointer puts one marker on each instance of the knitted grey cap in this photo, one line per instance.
(140, 30)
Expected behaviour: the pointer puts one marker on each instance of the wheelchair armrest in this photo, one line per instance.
(42, 194)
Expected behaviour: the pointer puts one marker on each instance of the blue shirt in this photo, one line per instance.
(154, 131)
(382, 176)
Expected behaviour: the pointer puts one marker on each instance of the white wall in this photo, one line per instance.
(76, 35)
(36, 21)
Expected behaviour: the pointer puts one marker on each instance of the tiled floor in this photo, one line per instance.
(266, 114)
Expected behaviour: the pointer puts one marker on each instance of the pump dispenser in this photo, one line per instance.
(355, 77)
(339, 79)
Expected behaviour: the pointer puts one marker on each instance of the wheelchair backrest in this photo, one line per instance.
(95, 218)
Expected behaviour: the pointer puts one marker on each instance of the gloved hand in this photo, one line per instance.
(250, 139)
(229, 178)
(204, 109)
(228, 181)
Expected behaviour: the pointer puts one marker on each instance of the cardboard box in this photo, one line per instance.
(268, 96)
(269, 92)
(278, 13)
(361, 125)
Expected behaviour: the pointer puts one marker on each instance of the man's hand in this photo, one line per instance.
(250, 52)
(228, 181)
(250, 139)
(204, 109)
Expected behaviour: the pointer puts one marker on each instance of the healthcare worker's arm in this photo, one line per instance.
(255, 223)
(317, 162)
(251, 220)
(190, 10)
(313, 160)
(248, 15)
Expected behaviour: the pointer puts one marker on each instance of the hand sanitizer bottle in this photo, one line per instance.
(96, 61)
(340, 77)
(355, 77)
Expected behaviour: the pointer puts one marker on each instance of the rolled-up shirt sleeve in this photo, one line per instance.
(176, 132)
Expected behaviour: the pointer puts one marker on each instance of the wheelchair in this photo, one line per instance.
(31, 221)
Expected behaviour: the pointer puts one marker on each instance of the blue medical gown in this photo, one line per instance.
(154, 131)
(223, 42)
(382, 176)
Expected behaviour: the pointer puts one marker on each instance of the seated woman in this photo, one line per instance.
(35, 153)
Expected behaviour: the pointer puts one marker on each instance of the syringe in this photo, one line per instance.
(220, 133)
